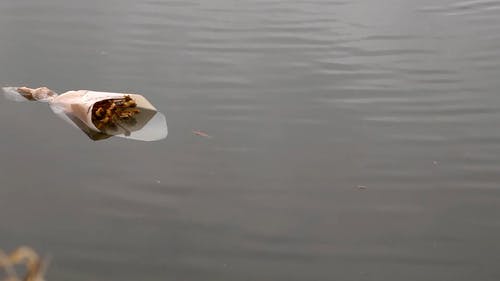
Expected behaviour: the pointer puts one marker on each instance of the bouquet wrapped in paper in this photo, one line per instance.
(100, 115)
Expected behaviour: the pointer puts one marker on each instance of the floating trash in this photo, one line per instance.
(201, 134)
(35, 266)
(100, 115)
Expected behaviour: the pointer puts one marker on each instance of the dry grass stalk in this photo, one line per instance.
(112, 113)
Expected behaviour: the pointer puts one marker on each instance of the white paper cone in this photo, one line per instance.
(79, 104)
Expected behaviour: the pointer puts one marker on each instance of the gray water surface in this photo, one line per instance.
(351, 140)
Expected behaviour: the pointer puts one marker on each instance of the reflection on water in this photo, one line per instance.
(304, 101)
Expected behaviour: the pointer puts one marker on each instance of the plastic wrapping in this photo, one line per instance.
(100, 115)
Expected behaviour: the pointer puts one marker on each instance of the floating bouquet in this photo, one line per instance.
(100, 114)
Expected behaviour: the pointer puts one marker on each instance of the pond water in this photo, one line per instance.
(350, 140)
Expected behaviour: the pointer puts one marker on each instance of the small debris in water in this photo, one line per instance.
(35, 266)
(201, 134)
(361, 187)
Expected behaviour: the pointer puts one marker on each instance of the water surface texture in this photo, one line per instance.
(351, 140)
